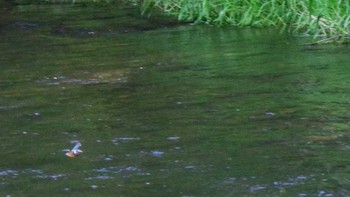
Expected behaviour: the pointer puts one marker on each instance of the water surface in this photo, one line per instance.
(167, 110)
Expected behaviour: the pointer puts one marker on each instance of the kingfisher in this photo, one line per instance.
(75, 151)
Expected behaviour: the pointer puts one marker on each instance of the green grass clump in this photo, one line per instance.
(313, 17)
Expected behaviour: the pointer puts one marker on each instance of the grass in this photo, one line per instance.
(326, 18)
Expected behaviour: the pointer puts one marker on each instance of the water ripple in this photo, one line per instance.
(255, 185)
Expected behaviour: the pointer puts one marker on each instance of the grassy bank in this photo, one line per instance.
(326, 20)
(329, 18)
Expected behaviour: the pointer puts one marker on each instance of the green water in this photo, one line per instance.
(167, 110)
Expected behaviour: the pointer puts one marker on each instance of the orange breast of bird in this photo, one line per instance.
(71, 154)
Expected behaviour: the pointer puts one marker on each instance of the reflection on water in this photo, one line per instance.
(167, 110)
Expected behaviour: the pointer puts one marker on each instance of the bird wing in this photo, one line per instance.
(76, 147)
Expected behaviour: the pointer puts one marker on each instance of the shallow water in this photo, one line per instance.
(167, 110)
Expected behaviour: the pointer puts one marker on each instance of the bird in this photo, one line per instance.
(75, 151)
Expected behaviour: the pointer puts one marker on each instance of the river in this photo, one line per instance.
(167, 109)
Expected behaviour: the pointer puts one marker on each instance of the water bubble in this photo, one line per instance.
(283, 184)
(8, 172)
(256, 188)
(176, 148)
(230, 180)
(157, 153)
(99, 177)
(55, 177)
(270, 113)
(131, 168)
(93, 186)
(173, 138)
(301, 177)
(123, 139)
(35, 171)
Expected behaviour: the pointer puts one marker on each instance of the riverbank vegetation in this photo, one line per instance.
(328, 19)
(324, 20)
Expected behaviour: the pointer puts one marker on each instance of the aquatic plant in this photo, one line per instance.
(311, 17)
